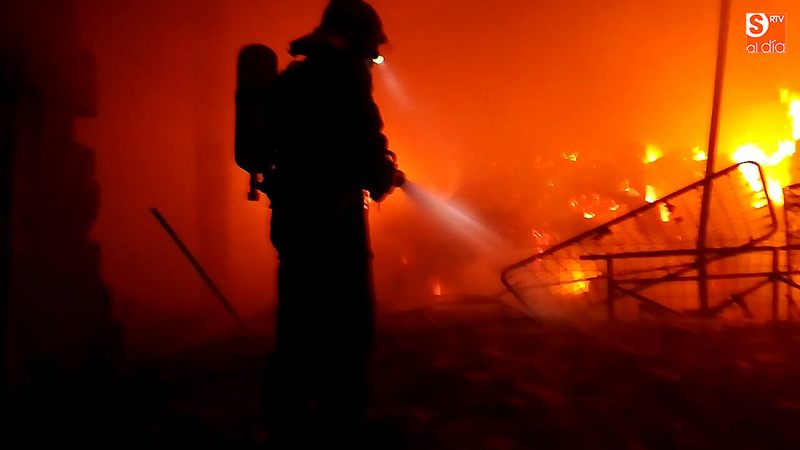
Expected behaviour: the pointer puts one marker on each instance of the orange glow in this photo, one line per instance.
(776, 165)
(792, 100)
(776, 170)
(574, 279)
(750, 173)
(664, 213)
(542, 241)
(626, 188)
(775, 190)
(595, 206)
(663, 210)
(437, 289)
(539, 106)
(699, 155)
(650, 194)
(652, 154)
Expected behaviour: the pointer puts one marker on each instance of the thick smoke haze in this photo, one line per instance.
(483, 105)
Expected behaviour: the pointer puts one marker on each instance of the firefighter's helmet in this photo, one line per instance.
(355, 21)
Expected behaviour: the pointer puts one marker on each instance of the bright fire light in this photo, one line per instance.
(574, 280)
(699, 155)
(792, 100)
(776, 165)
(664, 212)
(379, 60)
(650, 194)
(652, 154)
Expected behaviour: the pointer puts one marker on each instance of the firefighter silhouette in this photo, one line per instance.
(326, 149)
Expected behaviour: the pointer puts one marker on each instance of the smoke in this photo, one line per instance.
(481, 118)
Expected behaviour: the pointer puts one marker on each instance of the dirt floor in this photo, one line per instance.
(485, 377)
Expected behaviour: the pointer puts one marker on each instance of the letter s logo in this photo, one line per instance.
(757, 25)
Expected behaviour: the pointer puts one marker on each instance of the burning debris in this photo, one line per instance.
(743, 213)
(652, 154)
(777, 164)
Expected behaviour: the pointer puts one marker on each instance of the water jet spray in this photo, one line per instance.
(458, 220)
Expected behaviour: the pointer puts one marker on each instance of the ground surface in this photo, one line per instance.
(482, 377)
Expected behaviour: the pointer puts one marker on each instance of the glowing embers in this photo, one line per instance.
(650, 194)
(699, 154)
(575, 278)
(664, 210)
(542, 240)
(628, 190)
(594, 205)
(437, 289)
(571, 157)
(652, 154)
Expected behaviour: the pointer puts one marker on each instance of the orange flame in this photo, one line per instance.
(574, 279)
(792, 100)
(652, 154)
(776, 165)
(650, 194)
(572, 157)
(664, 212)
(699, 155)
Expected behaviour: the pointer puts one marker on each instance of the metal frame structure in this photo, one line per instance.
(703, 253)
(618, 286)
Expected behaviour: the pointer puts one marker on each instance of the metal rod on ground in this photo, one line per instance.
(197, 267)
(702, 238)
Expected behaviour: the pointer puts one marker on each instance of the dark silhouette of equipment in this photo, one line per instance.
(257, 69)
(398, 176)
(198, 268)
